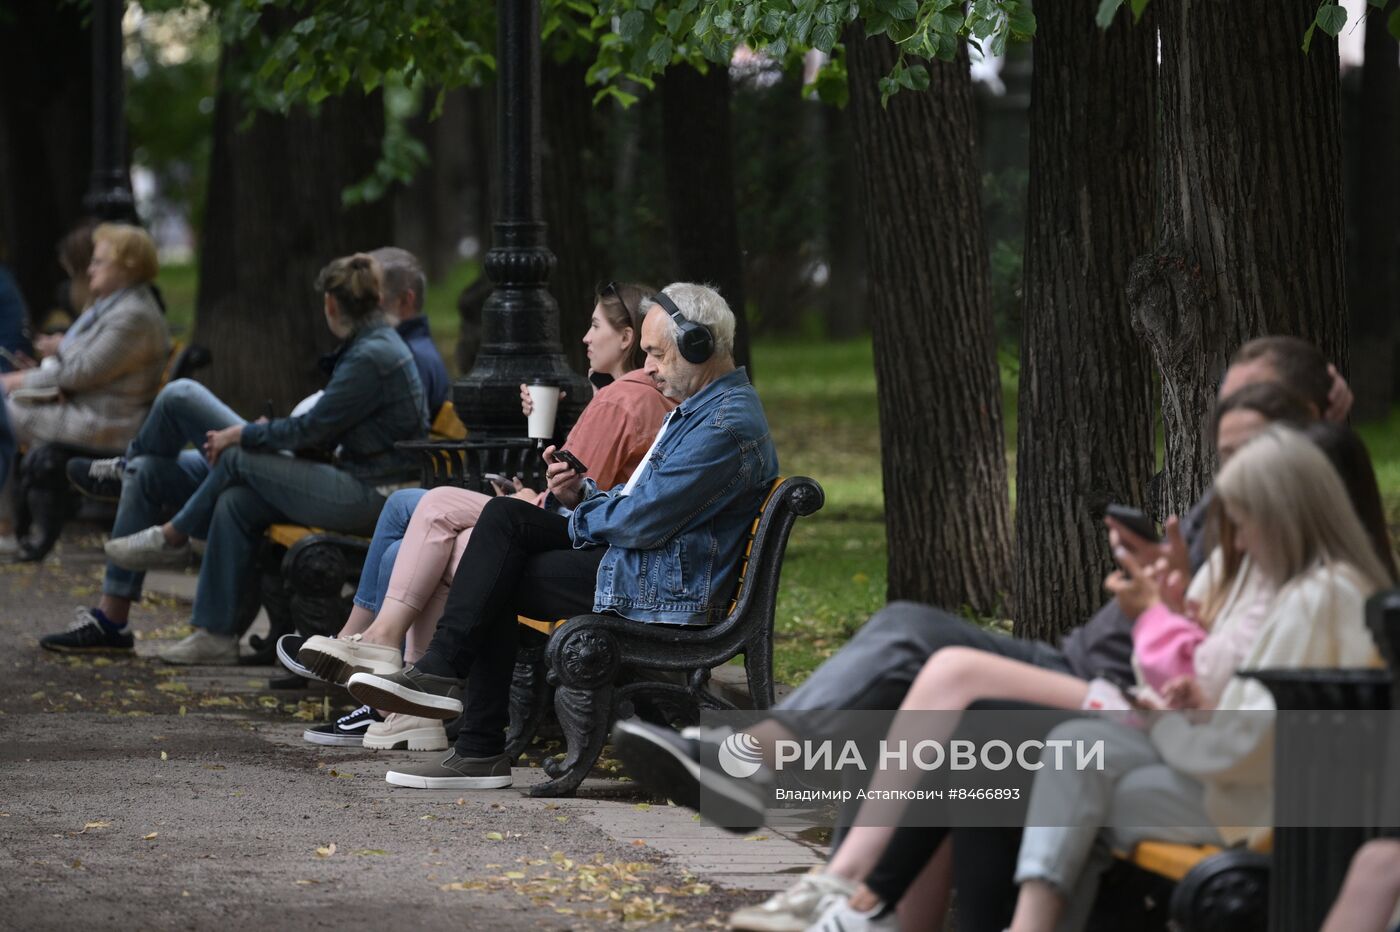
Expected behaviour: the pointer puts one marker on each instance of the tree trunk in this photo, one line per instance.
(480, 152)
(45, 140)
(1085, 418)
(274, 219)
(432, 213)
(697, 150)
(1250, 202)
(1374, 221)
(569, 172)
(942, 451)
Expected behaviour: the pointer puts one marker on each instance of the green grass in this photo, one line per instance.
(820, 401)
(1383, 440)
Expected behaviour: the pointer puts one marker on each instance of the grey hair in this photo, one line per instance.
(402, 272)
(704, 305)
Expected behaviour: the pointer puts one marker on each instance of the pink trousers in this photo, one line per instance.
(432, 547)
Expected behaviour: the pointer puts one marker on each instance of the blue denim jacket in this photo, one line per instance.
(674, 544)
(374, 399)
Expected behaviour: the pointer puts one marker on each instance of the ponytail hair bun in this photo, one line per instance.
(356, 284)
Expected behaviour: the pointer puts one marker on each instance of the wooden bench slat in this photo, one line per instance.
(289, 534)
(1169, 860)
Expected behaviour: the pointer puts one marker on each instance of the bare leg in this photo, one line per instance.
(359, 620)
(173, 537)
(392, 623)
(1038, 908)
(953, 679)
(1371, 889)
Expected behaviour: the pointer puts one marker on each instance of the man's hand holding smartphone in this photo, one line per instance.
(565, 481)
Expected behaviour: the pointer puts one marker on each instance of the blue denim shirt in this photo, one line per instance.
(674, 544)
(374, 399)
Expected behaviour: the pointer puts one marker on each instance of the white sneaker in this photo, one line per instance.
(335, 660)
(797, 907)
(407, 732)
(9, 546)
(203, 648)
(146, 550)
(841, 916)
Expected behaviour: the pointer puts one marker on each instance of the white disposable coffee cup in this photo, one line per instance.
(545, 405)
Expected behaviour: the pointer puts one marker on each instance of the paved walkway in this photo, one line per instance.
(139, 795)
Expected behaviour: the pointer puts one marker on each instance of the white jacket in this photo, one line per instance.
(1317, 620)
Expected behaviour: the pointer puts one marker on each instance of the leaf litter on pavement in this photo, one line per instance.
(595, 888)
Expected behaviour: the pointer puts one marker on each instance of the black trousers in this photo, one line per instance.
(984, 859)
(519, 561)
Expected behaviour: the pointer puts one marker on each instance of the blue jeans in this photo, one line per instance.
(384, 547)
(161, 474)
(244, 494)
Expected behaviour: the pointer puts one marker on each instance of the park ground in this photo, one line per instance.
(135, 794)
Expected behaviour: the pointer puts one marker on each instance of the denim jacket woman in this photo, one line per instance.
(675, 538)
(374, 399)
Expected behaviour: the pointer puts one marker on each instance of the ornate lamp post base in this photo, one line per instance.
(520, 320)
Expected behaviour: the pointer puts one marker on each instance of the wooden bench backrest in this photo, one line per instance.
(447, 426)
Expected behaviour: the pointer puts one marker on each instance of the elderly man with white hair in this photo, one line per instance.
(664, 547)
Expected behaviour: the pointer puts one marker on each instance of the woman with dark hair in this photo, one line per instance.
(374, 400)
(422, 534)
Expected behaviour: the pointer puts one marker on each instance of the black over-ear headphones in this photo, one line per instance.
(695, 341)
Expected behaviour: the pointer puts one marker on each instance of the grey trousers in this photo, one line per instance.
(1077, 819)
(878, 665)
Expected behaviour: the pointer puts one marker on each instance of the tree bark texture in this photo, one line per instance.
(697, 149)
(572, 131)
(1085, 426)
(941, 444)
(274, 219)
(1249, 198)
(45, 140)
(1373, 206)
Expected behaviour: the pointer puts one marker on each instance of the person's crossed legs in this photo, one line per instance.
(522, 562)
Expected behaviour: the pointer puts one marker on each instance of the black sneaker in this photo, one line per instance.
(348, 731)
(688, 767)
(88, 635)
(409, 692)
(287, 647)
(455, 772)
(99, 479)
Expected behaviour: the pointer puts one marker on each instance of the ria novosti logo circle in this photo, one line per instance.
(740, 755)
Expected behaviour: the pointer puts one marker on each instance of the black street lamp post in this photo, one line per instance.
(109, 190)
(520, 319)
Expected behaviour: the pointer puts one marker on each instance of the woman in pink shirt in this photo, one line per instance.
(610, 438)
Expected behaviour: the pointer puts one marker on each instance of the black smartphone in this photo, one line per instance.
(574, 462)
(1134, 520)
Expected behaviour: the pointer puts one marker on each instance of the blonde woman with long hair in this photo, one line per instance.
(1284, 507)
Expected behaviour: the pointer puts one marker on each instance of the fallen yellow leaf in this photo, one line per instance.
(326, 850)
(150, 836)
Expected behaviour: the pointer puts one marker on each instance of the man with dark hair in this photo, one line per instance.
(1292, 362)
